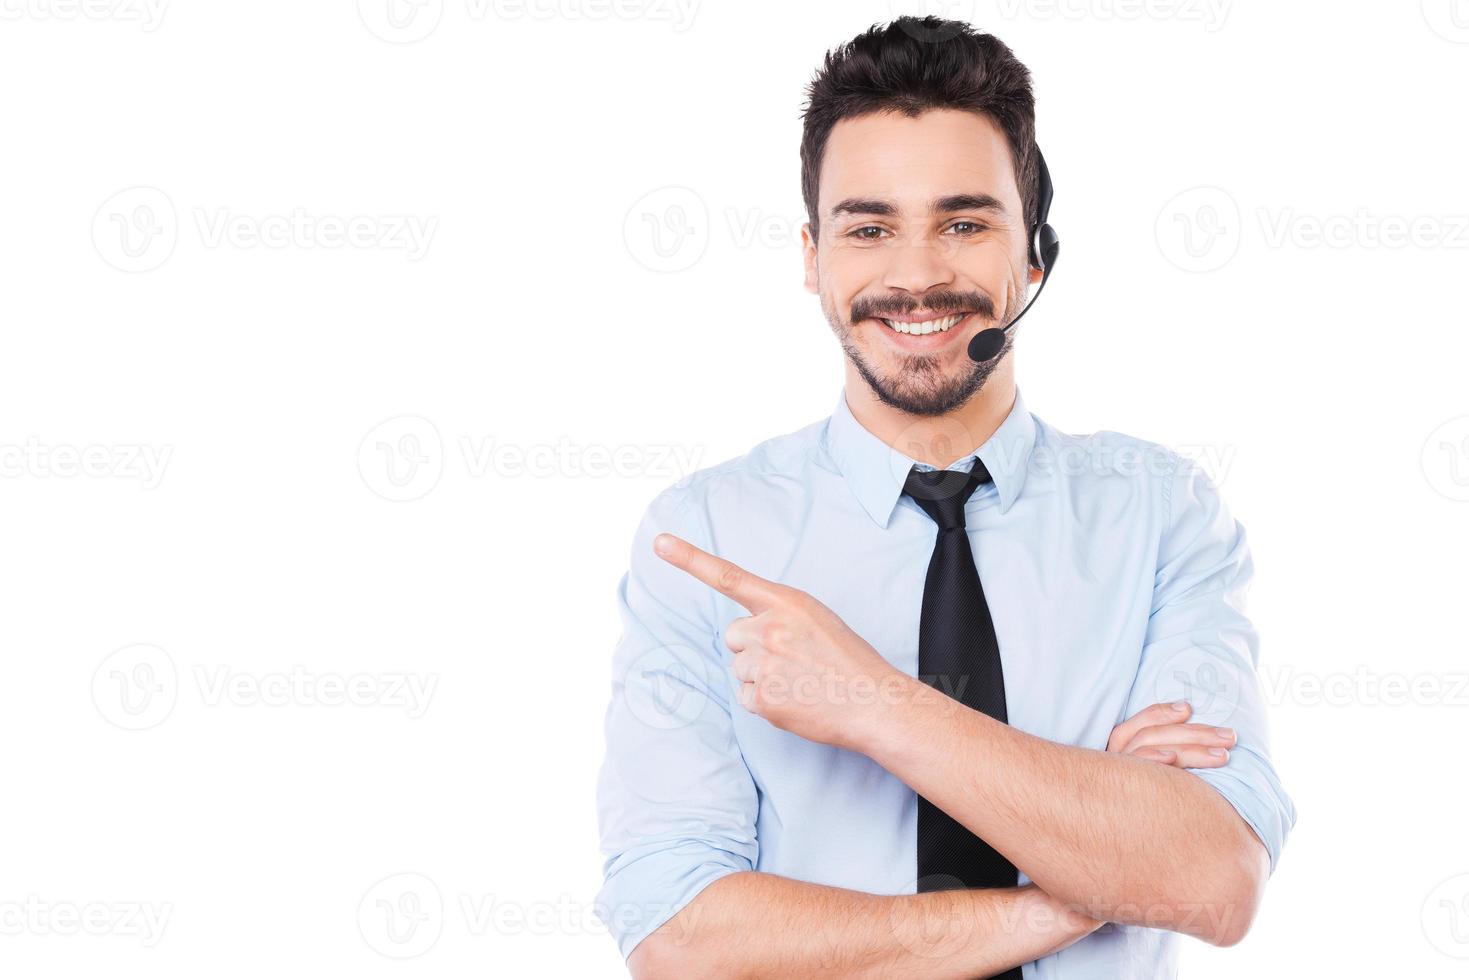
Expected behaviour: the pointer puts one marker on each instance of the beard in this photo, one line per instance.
(918, 384)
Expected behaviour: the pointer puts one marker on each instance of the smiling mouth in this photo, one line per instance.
(919, 325)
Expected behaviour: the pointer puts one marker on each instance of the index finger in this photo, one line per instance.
(1155, 714)
(748, 589)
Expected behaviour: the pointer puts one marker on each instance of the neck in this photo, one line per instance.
(937, 440)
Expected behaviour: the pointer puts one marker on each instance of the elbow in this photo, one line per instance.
(1229, 932)
(651, 960)
(1239, 888)
(694, 943)
(660, 957)
(668, 953)
(1238, 914)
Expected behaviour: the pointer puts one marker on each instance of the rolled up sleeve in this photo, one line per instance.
(676, 804)
(1201, 647)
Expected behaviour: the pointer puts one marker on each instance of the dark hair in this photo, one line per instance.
(913, 65)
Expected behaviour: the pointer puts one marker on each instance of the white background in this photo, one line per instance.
(214, 414)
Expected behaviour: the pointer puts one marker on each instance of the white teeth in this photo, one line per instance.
(927, 326)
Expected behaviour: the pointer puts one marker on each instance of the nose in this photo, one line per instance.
(917, 265)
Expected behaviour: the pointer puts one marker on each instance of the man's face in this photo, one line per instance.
(921, 229)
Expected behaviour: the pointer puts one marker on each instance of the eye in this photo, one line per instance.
(858, 233)
(975, 227)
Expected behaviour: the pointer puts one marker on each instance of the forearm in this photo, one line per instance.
(753, 924)
(1125, 839)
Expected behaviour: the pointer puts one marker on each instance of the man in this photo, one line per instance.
(929, 688)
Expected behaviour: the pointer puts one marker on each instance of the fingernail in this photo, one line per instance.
(1224, 732)
(1218, 752)
(1180, 705)
(663, 544)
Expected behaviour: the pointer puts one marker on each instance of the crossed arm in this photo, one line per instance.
(753, 924)
(1121, 838)
(1108, 836)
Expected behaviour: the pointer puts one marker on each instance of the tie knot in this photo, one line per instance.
(943, 493)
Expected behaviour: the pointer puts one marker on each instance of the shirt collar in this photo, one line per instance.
(876, 471)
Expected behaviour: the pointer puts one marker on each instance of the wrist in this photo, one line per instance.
(1029, 913)
(1073, 923)
(880, 726)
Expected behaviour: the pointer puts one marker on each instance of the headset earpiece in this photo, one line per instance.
(1045, 245)
(1043, 231)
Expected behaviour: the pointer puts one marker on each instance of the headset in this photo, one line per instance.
(1044, 247)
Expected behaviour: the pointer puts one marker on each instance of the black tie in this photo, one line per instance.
(959, 655)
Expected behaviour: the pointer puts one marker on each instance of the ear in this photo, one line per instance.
(808, 255)
(1036, 275)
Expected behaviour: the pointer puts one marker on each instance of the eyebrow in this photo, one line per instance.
(939, 205)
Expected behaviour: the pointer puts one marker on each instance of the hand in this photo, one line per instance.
(1158, 733)
(801, 668)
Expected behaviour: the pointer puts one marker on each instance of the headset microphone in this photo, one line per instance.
(1044, 248)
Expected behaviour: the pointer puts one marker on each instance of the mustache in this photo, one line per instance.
(942, 302)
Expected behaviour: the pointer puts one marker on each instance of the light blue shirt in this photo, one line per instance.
(1116, 579)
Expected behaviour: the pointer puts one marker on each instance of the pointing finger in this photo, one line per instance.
(748, 589)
